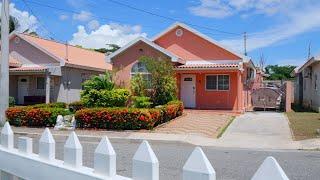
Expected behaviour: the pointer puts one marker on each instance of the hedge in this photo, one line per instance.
(127, 118)
(76, 106)
(34, 116)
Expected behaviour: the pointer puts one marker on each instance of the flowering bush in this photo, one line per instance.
(127, 118)
(34, 117)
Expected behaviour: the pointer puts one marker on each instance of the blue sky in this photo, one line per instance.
(281, 30)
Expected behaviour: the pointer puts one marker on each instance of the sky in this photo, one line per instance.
(280, 30)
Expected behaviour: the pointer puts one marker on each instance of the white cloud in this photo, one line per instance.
(307, 19)
(226, 8)
(26, 21)
(106, 34)
(82, 16)
(93, 25)
(63, 17)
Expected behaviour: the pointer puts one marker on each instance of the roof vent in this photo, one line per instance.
(179, 32)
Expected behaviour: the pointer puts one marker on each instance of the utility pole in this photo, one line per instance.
(309, 51)
(4, 69)
(245, 43)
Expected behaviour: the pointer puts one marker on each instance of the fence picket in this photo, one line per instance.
(47, 145)
(25, 145)
(270, 169)
(198, 167)
(73, 151)
(7, 136)
(105, 158)
(145, 165)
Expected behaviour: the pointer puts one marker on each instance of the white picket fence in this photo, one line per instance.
(22, 163)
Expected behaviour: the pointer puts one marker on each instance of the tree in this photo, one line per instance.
(277, 72)
(112, 48)
(163, 80)
(13, 24)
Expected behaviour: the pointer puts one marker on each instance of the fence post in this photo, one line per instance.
(73, 151)
(145, 165)
(25, 145)
(7, 136)
(47, 149)
(198, 167)
(105, 158)
(270, 169)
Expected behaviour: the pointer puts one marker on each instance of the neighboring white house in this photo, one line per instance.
(43, 70)
(307, 90)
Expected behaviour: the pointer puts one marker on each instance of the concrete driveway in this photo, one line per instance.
(259, 130)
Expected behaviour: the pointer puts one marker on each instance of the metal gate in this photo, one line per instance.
(267, 98)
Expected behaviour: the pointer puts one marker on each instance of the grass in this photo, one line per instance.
(225, 127)
(304, 125)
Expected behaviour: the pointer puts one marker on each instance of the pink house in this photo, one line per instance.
(209, 75)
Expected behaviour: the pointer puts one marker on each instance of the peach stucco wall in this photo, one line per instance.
(192, 47)
(226, 100)
(123, 63)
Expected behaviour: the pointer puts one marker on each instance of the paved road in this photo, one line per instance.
(228, 163)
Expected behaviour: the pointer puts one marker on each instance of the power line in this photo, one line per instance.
(151, 13)
(39, 20)
(170, 18)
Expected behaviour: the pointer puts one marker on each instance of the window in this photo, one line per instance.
(211, 82)
(217, 82)
(223, 82)
(41, 83)
(140, 68)
(315, 82)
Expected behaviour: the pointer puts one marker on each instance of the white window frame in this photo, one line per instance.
(135, 73)
(217, 75)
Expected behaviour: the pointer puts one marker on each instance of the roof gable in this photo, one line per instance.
(174, 58)
(193, 44)
(68, 54)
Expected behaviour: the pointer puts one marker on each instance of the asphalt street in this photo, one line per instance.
(229, 164)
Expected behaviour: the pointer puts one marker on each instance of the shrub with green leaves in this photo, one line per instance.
(51, 105)
(12, 101)
(138, 85)
(106, 98)
(76, 106)
(100, 82)
(163, 81)
(141, 102)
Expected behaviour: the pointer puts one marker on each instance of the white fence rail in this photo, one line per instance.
(22, 163)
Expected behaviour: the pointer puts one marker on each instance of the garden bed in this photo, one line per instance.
(122, 118)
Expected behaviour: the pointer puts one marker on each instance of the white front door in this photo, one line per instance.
(188, 90)
(23, 89)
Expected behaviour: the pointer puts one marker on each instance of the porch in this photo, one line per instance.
(33, 85)
(218, 89)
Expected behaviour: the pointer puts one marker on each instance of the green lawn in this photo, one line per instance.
(304, 124)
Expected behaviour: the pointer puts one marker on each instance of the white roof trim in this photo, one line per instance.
(213, 62)
(308, 63)
(246, 59)
(147, 41)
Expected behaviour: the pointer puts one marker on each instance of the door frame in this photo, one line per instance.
(194, 77)
(21, 101)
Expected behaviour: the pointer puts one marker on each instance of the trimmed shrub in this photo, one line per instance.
(12, 101)
(141, 102)
(76, 106)
(127, 118)
(33, 116)
(106, 98)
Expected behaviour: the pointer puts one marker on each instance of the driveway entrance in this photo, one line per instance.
(258, 129)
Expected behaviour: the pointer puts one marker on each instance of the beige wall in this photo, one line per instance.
(311, 95)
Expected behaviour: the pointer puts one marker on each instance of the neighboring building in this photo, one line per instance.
(209, 75)
(43, 70)
(307, 92)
